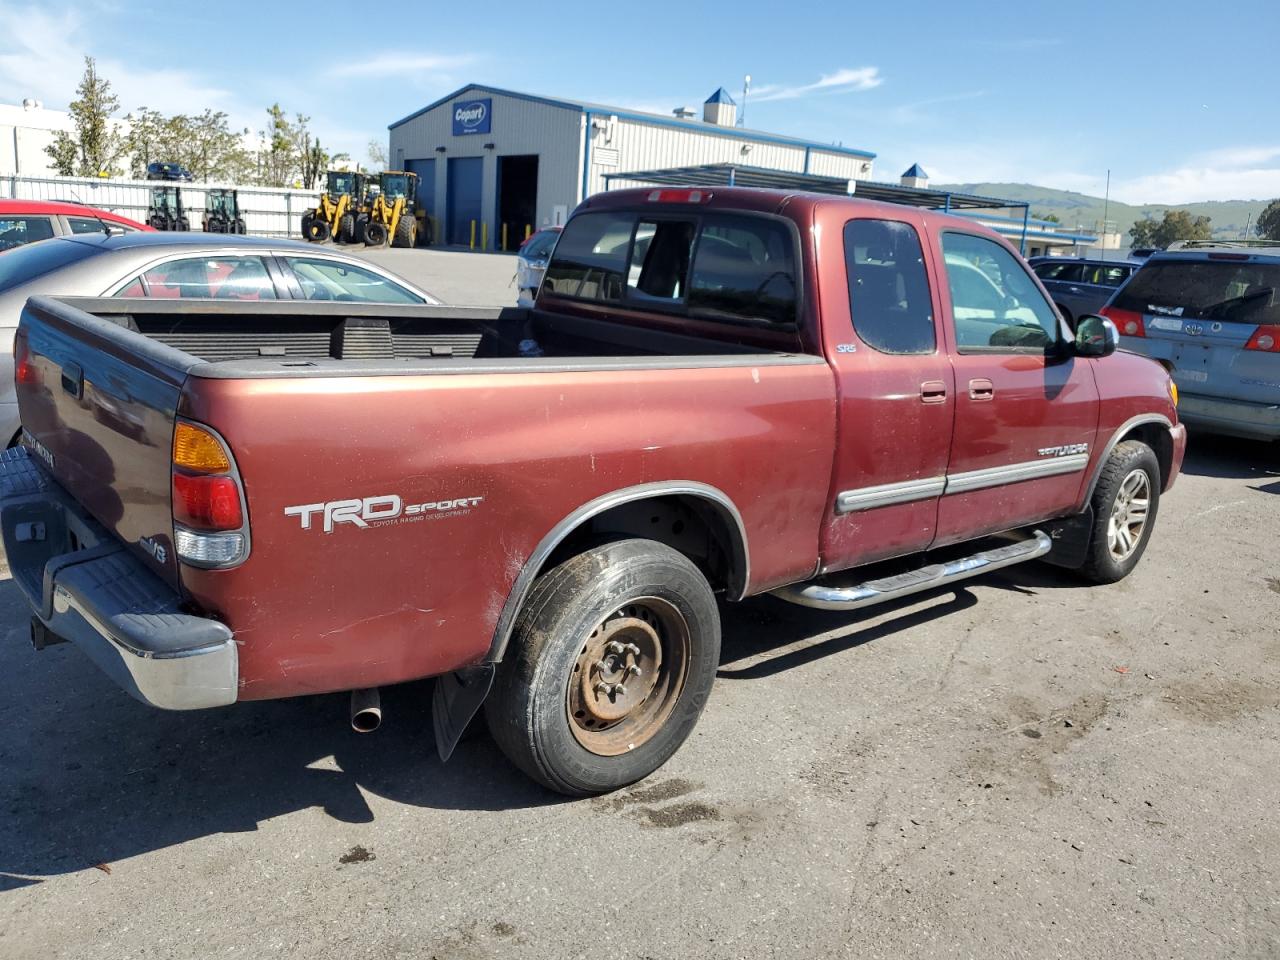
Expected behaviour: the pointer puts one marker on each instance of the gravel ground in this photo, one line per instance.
(1024, 767)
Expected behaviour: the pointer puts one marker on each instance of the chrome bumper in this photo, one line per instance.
(101, 598)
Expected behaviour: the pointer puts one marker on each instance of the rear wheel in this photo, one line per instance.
(347, 228)
(610, 664)
(183, 224)
(317, 231)
(375, 233)
(424, 232)
(240, 226)
(1125, 503)
(406, 232)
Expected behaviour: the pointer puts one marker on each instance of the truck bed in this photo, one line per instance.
(307, 338)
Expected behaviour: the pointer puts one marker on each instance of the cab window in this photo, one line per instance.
(995, 305)
(590, 260)
(889, 298)
(744, 269)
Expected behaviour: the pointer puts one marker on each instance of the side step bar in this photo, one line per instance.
(867, 594)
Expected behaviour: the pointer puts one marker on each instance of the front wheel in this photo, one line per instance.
(375, 233)
(610, 664)
(1125, 503)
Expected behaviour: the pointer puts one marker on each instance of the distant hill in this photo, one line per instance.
(1228, 217)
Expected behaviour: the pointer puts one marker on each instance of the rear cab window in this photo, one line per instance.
(733, 268)
(1232, 291)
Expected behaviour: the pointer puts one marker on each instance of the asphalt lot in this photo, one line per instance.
(1025, 767)
(455, 276)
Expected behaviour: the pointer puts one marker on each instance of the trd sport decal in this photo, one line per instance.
(378, 511)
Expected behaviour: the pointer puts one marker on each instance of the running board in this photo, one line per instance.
(867, 594)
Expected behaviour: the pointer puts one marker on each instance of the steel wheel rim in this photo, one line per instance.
(628, 676)
(1129, 513)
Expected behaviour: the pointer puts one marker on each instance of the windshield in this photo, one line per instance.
(340, 183)
(1234, 291)
(25, 263)
(394, 186)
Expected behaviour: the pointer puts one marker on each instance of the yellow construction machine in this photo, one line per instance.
(395, 215)
(335, 215)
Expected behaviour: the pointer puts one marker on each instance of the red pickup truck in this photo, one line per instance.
(717, 393)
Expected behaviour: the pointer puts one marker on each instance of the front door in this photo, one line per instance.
(1026, 408)
(895, 393)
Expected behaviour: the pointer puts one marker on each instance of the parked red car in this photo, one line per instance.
(731, 392)
(26, 221)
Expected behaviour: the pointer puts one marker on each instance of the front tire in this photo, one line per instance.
(610, 664)
(406, 232)
(1125, 503)
(375, 233)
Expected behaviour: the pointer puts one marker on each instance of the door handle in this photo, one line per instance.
(981, 389)
(933, 391)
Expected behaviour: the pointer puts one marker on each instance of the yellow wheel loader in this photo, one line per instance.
(395, 215)
(341, 196)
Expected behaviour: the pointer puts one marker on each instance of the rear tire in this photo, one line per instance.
(347, 228)
(317, 231)
(1125, 503)
(240, 226)
(585, 626)
(406, 232)
(375, 233)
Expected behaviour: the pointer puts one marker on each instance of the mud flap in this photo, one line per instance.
(1070, 537)
(457, 698)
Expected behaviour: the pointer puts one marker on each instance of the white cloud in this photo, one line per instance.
(844, 80)
(399, 64)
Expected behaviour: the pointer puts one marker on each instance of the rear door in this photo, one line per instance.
(895, 393)
(1026, 411)
(1208, 316)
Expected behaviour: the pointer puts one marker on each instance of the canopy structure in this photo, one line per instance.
(736, 175)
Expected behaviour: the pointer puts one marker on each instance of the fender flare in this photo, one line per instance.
(720, 501)
(1121, 432)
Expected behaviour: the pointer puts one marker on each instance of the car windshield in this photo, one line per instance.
(1230, 290)
(22, 264)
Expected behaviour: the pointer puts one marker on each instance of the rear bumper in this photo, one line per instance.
(1237, 418)
(86, 587)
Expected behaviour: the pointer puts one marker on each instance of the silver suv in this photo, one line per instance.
(1210, 312)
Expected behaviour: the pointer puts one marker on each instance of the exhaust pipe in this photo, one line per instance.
(366, 710)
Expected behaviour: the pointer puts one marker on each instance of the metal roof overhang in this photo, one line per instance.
(734, 175)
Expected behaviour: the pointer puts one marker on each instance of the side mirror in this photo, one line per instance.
(1096, 336)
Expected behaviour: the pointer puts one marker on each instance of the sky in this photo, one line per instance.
(1177, 99)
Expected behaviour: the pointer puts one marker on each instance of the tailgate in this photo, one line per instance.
(98, 403)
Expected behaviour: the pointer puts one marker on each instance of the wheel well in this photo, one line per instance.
(700, 529)
(1155, 436)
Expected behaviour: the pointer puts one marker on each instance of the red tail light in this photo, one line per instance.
(1266, 338)
(207, 503)
(1128, 322)
(24, 371)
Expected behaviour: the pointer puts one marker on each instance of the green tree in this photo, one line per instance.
(377, 156)
(96, 146)
(277, 157)
(1269, 221)
(1049, 217)
(1176, 225)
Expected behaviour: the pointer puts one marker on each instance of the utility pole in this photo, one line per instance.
(746, 89)
(1106, 208)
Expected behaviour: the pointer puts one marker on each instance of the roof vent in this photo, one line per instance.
(720, 109)
(683, 113)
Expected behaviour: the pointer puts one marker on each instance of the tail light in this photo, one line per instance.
(1266, 338)
(1128, 322)
(24, 371)
(209, 528)
(679, 196)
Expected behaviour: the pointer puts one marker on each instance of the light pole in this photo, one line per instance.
(746, 89)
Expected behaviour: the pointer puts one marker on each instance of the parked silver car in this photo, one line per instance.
(1210, 312)
(179, 266)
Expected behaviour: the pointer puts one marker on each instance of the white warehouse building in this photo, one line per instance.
(489, 159)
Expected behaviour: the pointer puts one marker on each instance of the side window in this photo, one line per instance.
(590, 259)
(220, 278)
(994, 303)
(744, 269)
(888, 287)
(659, 266)
(1067, 272)
(338, 280)
(15, 231)
(1105, 276)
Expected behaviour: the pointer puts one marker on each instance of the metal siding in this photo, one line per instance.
(519, 127)
(826, 164)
